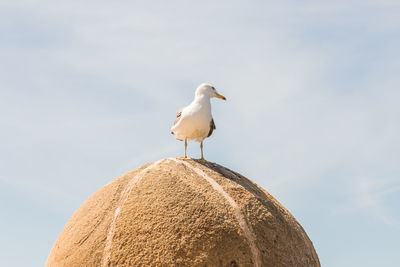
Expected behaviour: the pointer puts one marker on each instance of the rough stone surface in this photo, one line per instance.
(182, 213)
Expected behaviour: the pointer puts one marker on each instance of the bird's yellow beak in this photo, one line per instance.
(220, 96)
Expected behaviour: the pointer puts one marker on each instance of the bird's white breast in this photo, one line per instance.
(194, 123)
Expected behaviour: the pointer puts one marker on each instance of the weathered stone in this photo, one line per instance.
(182, 213)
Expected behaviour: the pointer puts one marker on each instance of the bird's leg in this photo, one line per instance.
(185, 147)
(201, 147)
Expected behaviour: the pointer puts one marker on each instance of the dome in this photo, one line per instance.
(176, 212)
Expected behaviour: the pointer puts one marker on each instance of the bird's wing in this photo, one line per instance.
(178, 116)
(212, 128)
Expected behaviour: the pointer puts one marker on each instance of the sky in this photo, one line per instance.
(90, 89)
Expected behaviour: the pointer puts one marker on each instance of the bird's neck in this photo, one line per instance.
(202, 99)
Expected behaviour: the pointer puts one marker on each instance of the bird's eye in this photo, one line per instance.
(213, 88)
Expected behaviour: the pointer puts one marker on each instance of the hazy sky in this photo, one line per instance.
(89, 90)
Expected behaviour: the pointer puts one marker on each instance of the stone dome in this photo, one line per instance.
(176, 212)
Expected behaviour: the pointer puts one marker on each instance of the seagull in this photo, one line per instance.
(195, 122)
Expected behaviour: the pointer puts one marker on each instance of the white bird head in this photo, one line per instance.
(208, 90)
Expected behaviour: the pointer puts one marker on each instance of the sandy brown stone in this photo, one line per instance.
(182, 213)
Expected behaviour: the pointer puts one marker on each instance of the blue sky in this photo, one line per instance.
(89, 90)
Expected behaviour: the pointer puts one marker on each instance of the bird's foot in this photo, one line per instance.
(183, 157)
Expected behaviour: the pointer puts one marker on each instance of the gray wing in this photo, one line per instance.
(212, 128)
(178, 116)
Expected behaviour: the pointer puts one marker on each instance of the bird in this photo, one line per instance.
(195, 121)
